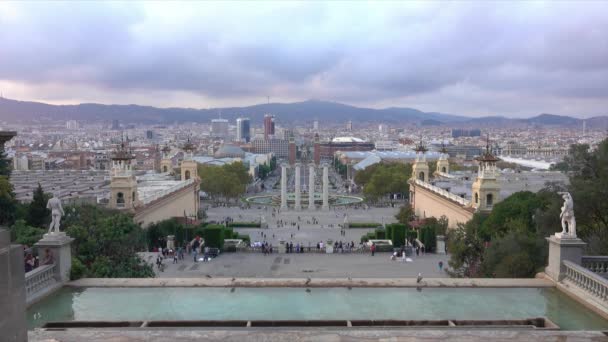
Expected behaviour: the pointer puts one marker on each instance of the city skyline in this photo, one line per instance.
(473, 59)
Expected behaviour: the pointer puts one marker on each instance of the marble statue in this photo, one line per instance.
(56, 213)
(567, 217)
(263, 223)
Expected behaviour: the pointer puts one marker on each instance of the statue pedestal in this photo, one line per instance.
(562, 248)
(59, 246)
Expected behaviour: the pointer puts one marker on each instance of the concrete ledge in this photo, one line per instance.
(312, 334)
(313, 282)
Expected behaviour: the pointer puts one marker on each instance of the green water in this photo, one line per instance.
(320, 303)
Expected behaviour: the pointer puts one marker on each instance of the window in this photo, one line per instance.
(489, 200)
(443, 170)
(187, 174)
(120, 199)
(421, 176)
(476, 198)
(165, 168)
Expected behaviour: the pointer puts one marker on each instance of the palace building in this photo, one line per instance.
(459, 195)
(154, 197)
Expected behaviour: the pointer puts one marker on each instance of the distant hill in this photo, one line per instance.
(297, 112)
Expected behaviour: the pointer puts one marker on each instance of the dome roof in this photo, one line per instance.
(229, 151)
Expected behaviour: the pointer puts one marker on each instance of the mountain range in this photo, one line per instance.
(297, 112)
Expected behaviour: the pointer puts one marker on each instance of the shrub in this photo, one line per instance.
(78, 270)
(389, 231)
(398, 234)
(244, 224)
(364, 225)
(380, 234)
(244, 237)
(214, 236)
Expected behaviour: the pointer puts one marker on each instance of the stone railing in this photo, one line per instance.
(442, 192)
(586, 280)
(596, 264)
(39, 280)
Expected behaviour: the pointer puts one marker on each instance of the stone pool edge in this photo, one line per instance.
(314, 282)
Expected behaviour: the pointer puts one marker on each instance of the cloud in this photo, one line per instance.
(362, 53)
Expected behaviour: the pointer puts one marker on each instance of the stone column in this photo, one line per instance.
(325, 187)
(283, 186)
(59, 246)
(298, 205)
(561, 249)
(311, 187)
(13, 325)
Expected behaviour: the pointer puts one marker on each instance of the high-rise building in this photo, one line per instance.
(243, 129)
(219, 128)
(115, 125)
(460, 132)
(268, 126)
(315, 125)
(72, 124)
(149, 134)
(349, 126)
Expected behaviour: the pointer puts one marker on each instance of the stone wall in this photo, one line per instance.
(12, 291)
(429, 204)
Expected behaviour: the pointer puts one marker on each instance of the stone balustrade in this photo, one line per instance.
(442, 192)
(596, 264)
(586, 280)
(39, 281)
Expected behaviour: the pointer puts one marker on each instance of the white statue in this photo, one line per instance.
(567, 217)
(56, 212)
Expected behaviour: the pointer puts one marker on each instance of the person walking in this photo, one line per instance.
(440, 266)
(373, 249)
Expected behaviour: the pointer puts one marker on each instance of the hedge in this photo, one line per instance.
(364, 225)
(244, 224)
(214, 236)
(380, 234)
(398, 233)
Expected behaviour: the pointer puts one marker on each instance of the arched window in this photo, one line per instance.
(489, 200)
(165, 168)
(120, 199)
(443, 170)
(133, 196)
(476, 198)
(187, 174)
(421, 176)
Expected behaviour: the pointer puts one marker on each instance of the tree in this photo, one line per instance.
(227, 181)
(23, 234)
(405, 214)
(518, 254)
(519, 206)
(38, 214)
(383, 179)
(106, 243)
(8, 204)
(466, 248)
(5, 164)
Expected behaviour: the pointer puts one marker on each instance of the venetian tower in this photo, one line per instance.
(486, 189)
(443, 165)
(166, 165)
(189, 168)
(420, 169)
(123, 184)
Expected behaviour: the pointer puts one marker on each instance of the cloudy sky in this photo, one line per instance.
(471, 58)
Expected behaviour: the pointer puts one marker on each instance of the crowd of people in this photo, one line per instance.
(32, 261)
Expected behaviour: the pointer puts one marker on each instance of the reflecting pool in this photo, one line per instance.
(156, 303)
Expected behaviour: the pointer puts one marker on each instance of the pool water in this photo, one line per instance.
(157, 303)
